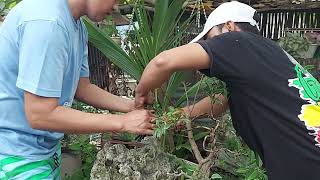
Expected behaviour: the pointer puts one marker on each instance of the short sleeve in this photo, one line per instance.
(229, 54)
(85, 71)
(85, 66)
(43, 57)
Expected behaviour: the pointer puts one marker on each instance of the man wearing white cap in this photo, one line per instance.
(43, 68)
(273, 101)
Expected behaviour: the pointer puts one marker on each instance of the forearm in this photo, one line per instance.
(207, 107)
(99, 98)
(67, 120)
(187, 57)
(155, 74)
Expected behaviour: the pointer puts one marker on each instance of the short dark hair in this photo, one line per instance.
(247, 27)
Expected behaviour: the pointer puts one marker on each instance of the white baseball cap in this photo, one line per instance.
(229, 11)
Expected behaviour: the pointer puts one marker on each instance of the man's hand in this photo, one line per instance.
(142, 100)
(139, 122)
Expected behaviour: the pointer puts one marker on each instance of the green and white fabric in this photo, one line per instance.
(20, 168)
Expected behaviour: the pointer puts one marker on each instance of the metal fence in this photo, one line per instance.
(275, 23)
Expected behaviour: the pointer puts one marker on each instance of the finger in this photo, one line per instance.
(139, 106)
(139, 102)
(150, 113)
(148, 116)
(153, 120)
(147, 132)
(149, 126)
(150, 100)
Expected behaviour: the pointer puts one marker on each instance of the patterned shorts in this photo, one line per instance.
(20, 168)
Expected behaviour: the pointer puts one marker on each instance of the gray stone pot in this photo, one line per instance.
(117, 162)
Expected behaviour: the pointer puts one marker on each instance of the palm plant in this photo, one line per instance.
(166, 33)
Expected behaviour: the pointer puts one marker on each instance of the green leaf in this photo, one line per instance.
(253, 176)
(111, 50)
(186, 146)
(216, 176)
(75, 147)
(173, 84)
(201, 85)
(243, 170)
(200, 135)
(310, 67)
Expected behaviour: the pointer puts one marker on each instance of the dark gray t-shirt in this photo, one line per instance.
(274, 106)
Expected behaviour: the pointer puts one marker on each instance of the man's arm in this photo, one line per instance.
(45, 114)
(207, 107)
(187, 57)
(99, 98)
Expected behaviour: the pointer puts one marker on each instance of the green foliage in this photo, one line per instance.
(245, 163)
(108, 26)
(197, 136)
(233, 143)
(311, 68)
(82, 147)
(210, 86)
(294, 44)
(187, 167)
(86, 108)
(252, 169)
(7, 5)
(167, 120)
(113, 51)
(215, 176)
(126, 1)
(127, 137)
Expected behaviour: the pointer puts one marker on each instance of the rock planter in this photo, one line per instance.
(117, 162)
